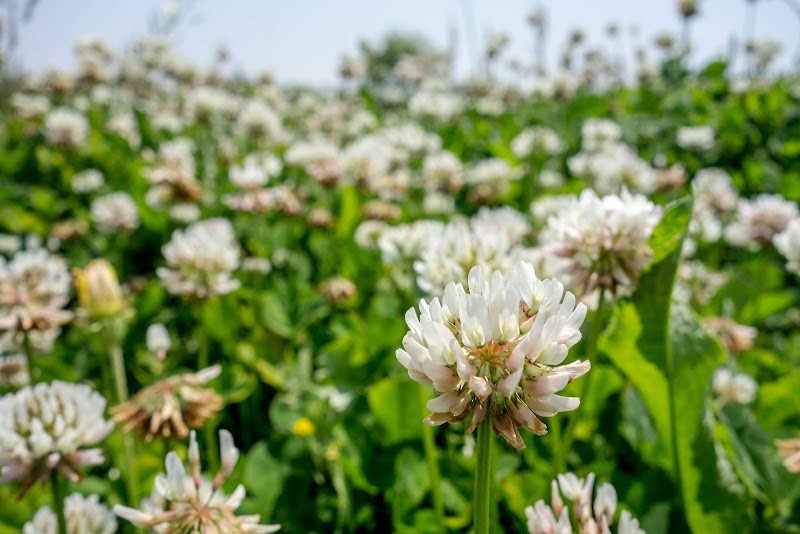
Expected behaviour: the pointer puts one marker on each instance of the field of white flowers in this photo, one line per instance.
(233, 306)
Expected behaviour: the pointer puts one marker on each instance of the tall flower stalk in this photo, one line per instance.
(58, 501)
(484, 480)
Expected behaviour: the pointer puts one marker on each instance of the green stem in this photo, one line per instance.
(591, 355)
(203, 357)
(484, 479)
(121, 389)
(432, 458)
(58, 501)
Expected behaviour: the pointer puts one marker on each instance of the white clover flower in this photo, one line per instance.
(201, 259)
(87, 180)
(188, 502)
(759, 220)
(733, 388)
(788, 244)
(537, 139)
(84, 515)
(696, 282)
(698, 138)
(715, 200)
(367, 160)
(436, 203)
(184, 212)
(115, 212)
(442, 171)
(66, 127)
(590, 519)
(547, 206)
(436, 104)
(260, 121)
(614, 167)
(493, 171)
(157, 340)
(34, 289)
(495, 349)
(410, 137)
(599, 133)
(47, 427)
(604, 240)
(173, 174)
(30, 106)
(125, 125)
(551, 179)
(14, 371)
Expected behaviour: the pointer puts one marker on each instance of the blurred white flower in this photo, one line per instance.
(599, 133)
(187, 502)
(733, 388)
(788, 244)
(157, 340)
(66, 127)
(537, 139)
(14, 371)
(759, 220)
(495, 349)
(34, 289)
(201, 259)
(115, 212)
(603, 240)
(698, 138)
(87, 180)
(715, 201)
(84, 515)
(47, 427)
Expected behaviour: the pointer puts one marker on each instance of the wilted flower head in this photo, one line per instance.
(115, 212)
(84, 515)
(66, 127)
(604, 240)
(733, 388)
(337, 289)
(494, 349)
(187, 502)
(735, 337)
(201, 259)
(172, 406)
(590, 518)
(759, 220)
(788, 244)
(47, 427)
(34, 288)
(99, 292)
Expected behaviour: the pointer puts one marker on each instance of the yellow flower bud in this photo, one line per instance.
(303, 427)
(98, 289)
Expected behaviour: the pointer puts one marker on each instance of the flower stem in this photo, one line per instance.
(121, 388)
(432, 458)
(210, 429)
(591, 355)
(484, 478)
(58, 501)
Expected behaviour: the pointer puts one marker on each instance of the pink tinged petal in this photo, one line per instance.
(137, 517)
(464, 369)
(564, 526)
(575, 370)
(417, 376)
(444, 403)
(87, 457)
(555, 498)
(507, 385)
(546, 384)
(443, 378)
(481, 387)
(550, 405)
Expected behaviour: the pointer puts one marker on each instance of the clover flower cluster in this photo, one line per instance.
(495, 349)
(84, 515)
(48, 427)
(696, 138)
(590, 517)
(34, 289)
(537, 140)
(188, 502)
(115, 212)
(759, 220)
(603, 241)
(201, 259)
(66, 127)
(788, 244)
(733, 388)
(715, 202)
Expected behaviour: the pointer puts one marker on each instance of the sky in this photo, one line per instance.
(301, 41)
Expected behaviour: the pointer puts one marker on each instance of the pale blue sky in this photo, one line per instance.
(302, 40)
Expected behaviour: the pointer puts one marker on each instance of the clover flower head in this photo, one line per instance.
(84, 515)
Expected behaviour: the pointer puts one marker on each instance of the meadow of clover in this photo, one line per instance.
(567, 302)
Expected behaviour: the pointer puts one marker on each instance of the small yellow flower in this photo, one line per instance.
(303, 427)
(99, 292)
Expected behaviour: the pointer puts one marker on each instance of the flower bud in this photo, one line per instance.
(99, 292)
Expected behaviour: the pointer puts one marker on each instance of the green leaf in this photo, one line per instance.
(274, 315)
(668, 235)
(397, 405)
(264, 477)
(411, 483)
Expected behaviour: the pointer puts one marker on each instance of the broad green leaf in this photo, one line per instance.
(273, 314)
(397, 404)
(264, 476)
(411, 483)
